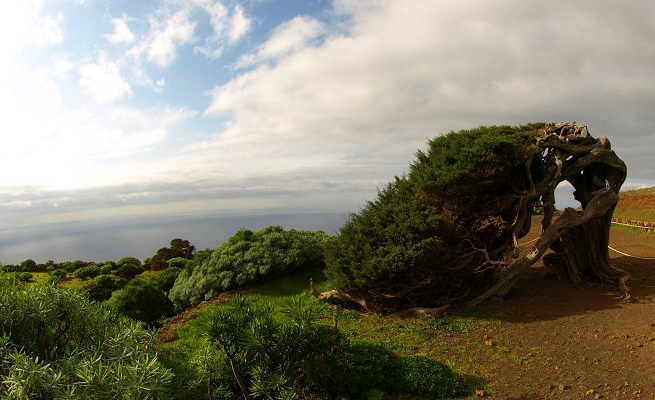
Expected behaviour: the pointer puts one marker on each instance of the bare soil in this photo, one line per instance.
(552, 339)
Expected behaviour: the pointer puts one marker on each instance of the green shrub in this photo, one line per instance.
(141, 300)
(72, 266)
(24, 276)
(166, 278)
(245, 258)
(56, 276)
(101, 287)
(274, 358)
(128, 260)
(27, 265)
(87, 272)
(54, 343)
(421, 229)
(129, 270)
(177, 262)
(108, 267)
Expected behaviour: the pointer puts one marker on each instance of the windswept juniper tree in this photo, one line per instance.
(448, 231)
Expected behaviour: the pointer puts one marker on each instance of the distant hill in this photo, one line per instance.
(638, 205)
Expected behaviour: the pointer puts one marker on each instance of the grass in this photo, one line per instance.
(633, 229)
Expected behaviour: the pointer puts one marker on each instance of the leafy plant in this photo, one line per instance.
(101, 287)
(55, 343)
(129, 270)
(415, 243)
(245, 258)
(142, 300)
(84, 273)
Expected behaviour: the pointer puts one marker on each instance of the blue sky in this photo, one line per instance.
(117, 110)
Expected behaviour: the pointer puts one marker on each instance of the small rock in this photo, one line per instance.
(562, 387)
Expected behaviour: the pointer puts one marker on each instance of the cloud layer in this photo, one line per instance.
(319, 111)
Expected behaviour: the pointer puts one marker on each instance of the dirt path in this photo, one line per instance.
(551, 339)
(168, 332)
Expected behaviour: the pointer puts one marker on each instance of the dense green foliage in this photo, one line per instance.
(166, 278)
(293, 352)
(142, 300)
(57, 275)
(179, 249)
(129, 270)
(87, 272)
(55, 343)
(101, 287)
(24, 276)
(413, 244)
(246, 258)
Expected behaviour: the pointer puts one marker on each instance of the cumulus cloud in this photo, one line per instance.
(166, 36)
(226, 29)
(102, 79)
(399, 72)
(239, 25)
(287, 38)
(122, 33)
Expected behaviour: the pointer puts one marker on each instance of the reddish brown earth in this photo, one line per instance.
(552, 339)
(637, 205)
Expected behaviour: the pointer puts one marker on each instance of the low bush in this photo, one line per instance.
(166, 278)
(292, 353)
(56, 344)
(101, 287)
(274, 358)
(24, 276)
(129, 270)
(142, 300)
(128, 260)
(87, 272)
(56, 276)
(177, 262)
(108, 268)
(245, 258)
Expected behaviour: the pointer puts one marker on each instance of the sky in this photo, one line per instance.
(138, 120)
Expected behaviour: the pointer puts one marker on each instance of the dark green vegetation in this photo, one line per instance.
(54, 343)
(245, 258)
(414, 245)
(282, 344)
(142, 300)
(447, 231)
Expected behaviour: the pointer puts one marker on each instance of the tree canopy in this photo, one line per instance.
(448, 231)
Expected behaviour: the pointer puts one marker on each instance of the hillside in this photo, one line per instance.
(637, 205)
(546, 339)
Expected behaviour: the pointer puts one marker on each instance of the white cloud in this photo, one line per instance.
(226, 29)
(122, 33)
(166, 36)
(58, 148)
(289, 37)
(103, 80)
(399, 72)
(239, 25)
